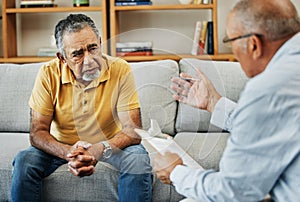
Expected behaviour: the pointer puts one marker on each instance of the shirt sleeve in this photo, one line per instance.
(41, 96)
(254, 159)
(128, 96)
(221, 115)
(189, 182)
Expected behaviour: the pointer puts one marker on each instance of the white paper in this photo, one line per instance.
(162, 145)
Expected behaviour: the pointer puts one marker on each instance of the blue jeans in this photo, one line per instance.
(32, 165)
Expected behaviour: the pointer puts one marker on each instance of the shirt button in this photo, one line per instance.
(84, 102)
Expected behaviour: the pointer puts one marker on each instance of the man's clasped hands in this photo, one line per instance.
(81, 161)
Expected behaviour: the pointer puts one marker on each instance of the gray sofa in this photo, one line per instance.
(190, 127)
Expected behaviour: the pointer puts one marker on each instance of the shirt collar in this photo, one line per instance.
(66, 74)
(289, 47)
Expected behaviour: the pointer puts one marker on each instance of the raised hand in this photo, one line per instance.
(198, 92)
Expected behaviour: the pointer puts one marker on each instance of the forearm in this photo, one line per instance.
(124, 138)
(120, 141)
(44, 141)
(41, 138)
(127, 136)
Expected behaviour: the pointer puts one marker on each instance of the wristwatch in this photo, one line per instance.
(107, 152)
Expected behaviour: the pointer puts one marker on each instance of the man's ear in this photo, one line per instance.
(255, 47)
(60, 57)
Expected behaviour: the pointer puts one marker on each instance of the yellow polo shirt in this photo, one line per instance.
(84, 113)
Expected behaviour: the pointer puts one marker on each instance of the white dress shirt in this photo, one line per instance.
(262, 153)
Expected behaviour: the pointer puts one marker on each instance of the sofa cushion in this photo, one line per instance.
(63, 186)
(228, 79)
(102, 186)
(16, 82)
(10, 145)
(153, 85)
(205, 148)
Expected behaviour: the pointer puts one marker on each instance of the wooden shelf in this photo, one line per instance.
(221, 57)
(164, 7)
(25, 59)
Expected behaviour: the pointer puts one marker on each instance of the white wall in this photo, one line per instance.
(171, 31)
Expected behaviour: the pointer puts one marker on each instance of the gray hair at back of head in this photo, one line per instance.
(73, 23)
(273, 19)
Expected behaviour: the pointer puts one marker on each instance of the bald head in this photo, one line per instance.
(275, 19)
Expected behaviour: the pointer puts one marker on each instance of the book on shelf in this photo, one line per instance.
(210, 38)
(135, 53)
(197, 32)
(133, 3)
(134, 44)
(36, 3)
(202, 40)
(205, 2)
(134, 48)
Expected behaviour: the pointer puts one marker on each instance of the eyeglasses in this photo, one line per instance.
(227, 41)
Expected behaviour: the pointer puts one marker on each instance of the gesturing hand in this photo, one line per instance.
(197, 92)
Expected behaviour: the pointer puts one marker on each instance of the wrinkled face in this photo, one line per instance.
(83, 54)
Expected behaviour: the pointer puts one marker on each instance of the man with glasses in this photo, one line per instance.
(84, 108)
(263, 152)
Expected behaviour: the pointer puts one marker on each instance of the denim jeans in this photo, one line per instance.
(32, 165)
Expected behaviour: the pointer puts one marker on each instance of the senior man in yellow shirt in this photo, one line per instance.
(84, 107)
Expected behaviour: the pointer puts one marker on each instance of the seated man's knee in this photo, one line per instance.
(29, 162)
(23, 158)
(23, 162)
(137, 159)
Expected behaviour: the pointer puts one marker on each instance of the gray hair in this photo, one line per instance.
(73, 23)
(273, 19)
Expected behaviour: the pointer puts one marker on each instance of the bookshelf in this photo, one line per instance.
(115, 12)
(11, 14)
(9, 27)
